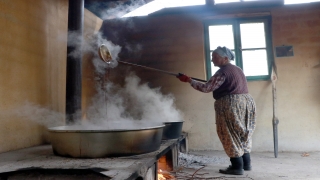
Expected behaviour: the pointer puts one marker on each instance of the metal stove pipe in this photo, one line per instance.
(74, 64)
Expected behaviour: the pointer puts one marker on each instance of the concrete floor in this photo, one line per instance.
(288, 166)
(195, 165)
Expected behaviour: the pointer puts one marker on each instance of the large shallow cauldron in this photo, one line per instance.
(88, 142)
(172, 130)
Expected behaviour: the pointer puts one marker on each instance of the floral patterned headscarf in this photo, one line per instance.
(224, 52)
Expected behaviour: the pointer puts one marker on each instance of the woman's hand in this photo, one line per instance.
(183, 78)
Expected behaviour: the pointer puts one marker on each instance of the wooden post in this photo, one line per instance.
(275, 120)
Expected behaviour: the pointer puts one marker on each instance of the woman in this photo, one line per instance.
(235, 109)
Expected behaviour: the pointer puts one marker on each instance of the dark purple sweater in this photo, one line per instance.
(235, 82)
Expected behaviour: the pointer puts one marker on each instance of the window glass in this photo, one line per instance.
(255, 62)
(221, 35)
(252, 35)
(249, 40)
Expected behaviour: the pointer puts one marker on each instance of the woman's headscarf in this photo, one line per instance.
(224, 52)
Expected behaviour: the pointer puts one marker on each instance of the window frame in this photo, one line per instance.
(235, 22)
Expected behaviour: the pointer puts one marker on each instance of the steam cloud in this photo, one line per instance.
(133, 102)
(35, 113)
(90, 45)
(128, 106)
(133, 105)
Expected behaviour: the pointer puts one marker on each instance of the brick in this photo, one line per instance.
(296, 40)
(306, 31)
(314, 39)
(290, 25)
(313, 23)
(285, 34)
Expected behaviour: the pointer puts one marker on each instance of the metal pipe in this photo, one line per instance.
(158, 70)
(74, 64)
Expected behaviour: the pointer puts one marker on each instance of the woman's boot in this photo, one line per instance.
(236, 167)
(246, 162)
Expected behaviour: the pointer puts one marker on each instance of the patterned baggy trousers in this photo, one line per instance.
(236, 122)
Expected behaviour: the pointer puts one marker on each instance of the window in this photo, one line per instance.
(157, 5)
(250, 41)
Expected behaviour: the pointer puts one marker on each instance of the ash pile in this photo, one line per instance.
(197, 161)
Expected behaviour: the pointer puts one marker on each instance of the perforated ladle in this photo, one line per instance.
(105, 55)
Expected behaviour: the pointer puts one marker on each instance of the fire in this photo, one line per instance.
(160, 176)
(165, 175)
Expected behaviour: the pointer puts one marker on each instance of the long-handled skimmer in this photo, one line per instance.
(105, 55)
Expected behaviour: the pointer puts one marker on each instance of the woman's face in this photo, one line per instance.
(217, 60)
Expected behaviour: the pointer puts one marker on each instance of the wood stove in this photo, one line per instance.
(40, 162)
